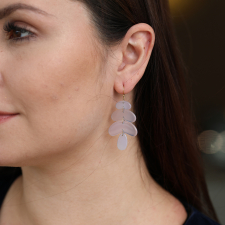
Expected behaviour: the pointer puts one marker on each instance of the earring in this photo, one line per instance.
(124, 118)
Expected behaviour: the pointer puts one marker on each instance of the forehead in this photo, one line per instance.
(54, 8)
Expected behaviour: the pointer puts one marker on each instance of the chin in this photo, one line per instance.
(13, 159)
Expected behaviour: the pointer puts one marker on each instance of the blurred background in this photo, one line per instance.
(200, 29)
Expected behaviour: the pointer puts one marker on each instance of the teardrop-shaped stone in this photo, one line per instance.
(123, 105)
(118, 127)
(128, 115)
(122, 142)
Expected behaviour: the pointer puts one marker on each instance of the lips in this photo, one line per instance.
(5, 116)
(7, 113)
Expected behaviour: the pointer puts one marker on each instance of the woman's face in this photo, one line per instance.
(53, 81)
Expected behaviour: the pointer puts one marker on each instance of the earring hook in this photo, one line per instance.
(123, 93)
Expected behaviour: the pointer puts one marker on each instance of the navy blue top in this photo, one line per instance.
(194, 216)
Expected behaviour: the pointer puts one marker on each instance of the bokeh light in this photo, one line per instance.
(223, 144)
(210, 141)
(184, 6)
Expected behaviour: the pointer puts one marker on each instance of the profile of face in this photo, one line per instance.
(58, 80)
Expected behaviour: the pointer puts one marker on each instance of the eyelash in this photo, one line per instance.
(10, 26)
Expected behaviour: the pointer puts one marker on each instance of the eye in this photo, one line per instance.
(16, 33)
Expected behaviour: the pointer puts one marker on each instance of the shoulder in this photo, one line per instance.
(196, 217)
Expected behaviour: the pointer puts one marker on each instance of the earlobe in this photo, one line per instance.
(136, 49)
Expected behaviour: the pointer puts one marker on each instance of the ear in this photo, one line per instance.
(134, 53)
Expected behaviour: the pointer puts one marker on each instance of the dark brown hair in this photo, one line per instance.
(166, 131)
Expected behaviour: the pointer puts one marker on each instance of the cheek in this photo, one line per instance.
(57, 73)
(54, 90)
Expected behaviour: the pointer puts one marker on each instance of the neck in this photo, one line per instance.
(97, 187)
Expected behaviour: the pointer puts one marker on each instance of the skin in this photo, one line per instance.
(64, 85)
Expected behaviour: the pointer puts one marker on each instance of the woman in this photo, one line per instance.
(64, 66)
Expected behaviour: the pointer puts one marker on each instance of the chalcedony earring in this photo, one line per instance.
(124, 119)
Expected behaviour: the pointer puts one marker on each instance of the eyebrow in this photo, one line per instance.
(4, 12)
